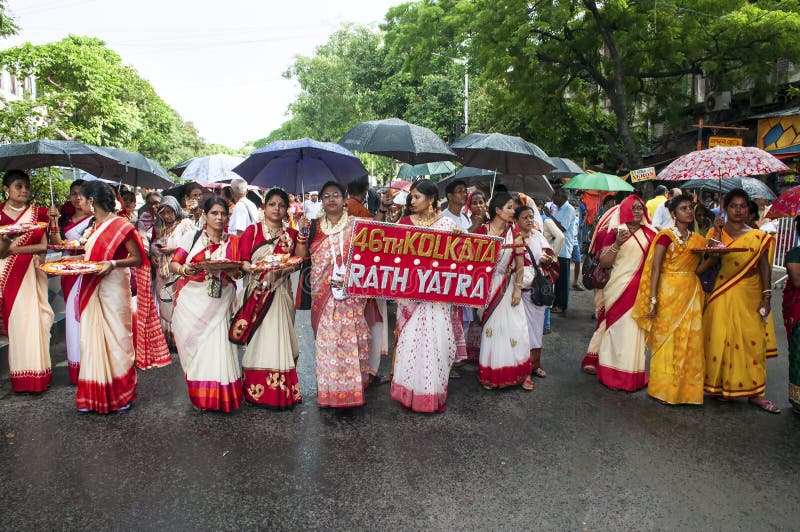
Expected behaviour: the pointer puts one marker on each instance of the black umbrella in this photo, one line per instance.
(534, 185)
(44, 153)
(755, 189)
(399, 140)
(564, 168)
(136, 169)
(181, 166)
(502, 153)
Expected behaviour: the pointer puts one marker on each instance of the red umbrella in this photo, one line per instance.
(787, 204)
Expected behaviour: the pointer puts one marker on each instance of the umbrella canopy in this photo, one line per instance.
(69, 153)
(502, 153)
(399, 140)
(437, 168)
(299, 165)
(751, 185)
(209, 168)
(135, 169)
(722, 163)
(564, 168)
(787, 204)
(533, 185)
(598, 181)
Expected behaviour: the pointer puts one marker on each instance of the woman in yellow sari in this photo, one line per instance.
(669, 307)
(738, 311)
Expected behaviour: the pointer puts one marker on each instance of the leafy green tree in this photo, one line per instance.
(86, 93)
(8, 25)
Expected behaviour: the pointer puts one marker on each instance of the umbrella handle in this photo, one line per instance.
(52, 197)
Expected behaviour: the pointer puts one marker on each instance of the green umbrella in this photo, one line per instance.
(598, 181)
(437, 168)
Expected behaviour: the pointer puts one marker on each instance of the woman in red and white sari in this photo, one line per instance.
(72, 229)
(27, 316)
(617, 349)
(425, 349)
(267, 315)
(204, 302)
(505, 358)
(340, 328)
(107, 377)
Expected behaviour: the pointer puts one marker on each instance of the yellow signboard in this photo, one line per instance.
(643, 174)
(725, 142)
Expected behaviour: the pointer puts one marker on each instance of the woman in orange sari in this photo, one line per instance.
(738, 310)
(107, 377)
(617, 348)
(204, 303)
(340, 328)
(27, 316)
(669, 307)
(267, 316)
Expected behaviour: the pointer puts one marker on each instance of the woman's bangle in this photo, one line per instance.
(653, 300)
(518, 285)
(113, 263)
(766, 292)
(613, 248)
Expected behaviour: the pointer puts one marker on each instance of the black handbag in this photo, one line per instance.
(589, 264)
(543, 293)
(303, 298)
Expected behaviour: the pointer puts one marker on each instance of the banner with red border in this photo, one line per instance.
(421, 264)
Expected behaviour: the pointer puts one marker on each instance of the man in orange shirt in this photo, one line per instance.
(357, 193)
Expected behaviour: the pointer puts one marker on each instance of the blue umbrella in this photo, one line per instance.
(299, 165)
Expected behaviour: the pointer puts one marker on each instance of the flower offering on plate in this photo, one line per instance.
(276, 262)
(69, 245)
(218, 264)
(18, 229)
(71, 267)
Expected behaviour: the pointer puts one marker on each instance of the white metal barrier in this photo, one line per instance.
(785, 239)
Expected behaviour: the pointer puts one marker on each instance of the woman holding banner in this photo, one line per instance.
(266, 319)
(340, 328)
(505, 358)
(425, 349)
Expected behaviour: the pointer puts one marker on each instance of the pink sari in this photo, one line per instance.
(425, 350)
(27, 316)
(341, 330)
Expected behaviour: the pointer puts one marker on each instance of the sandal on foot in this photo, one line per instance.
(591, 370)
(540, 372)
(527, 384)
(765, 404)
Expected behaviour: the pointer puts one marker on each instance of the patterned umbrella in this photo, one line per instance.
(722, 163)
(787, 204)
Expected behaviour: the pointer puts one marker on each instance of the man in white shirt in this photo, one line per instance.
(456, 193)
(244, 212)
(565, 219)
(312, 206)
(662, 218)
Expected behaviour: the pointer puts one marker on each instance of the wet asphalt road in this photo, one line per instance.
(569, 456)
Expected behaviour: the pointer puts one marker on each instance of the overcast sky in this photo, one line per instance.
(219, 63)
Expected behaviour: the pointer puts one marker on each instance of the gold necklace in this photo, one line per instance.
(15, 209)
(427, 222)
(490, 230)
(269, 231)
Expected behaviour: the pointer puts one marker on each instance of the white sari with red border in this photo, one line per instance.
(27, 316)
(107, 377)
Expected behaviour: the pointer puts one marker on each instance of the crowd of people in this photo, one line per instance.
(704, 315)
